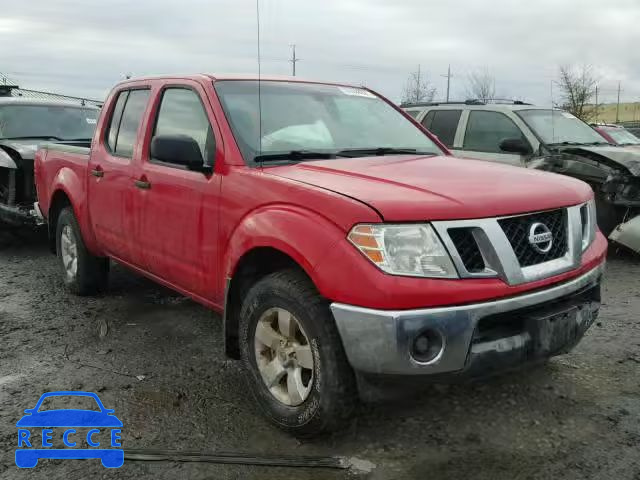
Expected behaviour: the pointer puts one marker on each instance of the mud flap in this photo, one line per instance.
(628, 234)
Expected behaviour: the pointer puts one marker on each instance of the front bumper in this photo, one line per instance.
(477, 338)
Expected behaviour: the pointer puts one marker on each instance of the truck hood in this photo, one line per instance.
(628, 158)
(410, 188)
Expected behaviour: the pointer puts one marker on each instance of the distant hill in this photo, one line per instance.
(629, 112)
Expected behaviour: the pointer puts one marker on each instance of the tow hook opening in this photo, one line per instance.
(427, 346)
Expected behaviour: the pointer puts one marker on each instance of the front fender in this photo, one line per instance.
(303, 235)
(6, 161)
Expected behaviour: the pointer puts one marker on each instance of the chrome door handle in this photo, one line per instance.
(97, 173)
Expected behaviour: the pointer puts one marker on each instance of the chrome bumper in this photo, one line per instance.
(379, 341)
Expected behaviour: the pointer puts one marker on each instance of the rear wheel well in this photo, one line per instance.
(59, 201)
(254, 265)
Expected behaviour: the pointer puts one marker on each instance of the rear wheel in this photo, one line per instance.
(293, 356)
(83, 273)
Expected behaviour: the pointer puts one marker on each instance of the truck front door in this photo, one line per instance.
(179, 224)
(111, 200)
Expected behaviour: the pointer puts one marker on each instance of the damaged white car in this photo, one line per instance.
(547, 139)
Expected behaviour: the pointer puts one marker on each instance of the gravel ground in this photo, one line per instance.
(576, 418)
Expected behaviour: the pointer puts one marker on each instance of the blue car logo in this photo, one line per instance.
(32, 447)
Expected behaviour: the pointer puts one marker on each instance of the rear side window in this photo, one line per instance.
(413, 113)
(181, 113)
(115, 120)
(444, 124)
(134, 107)
(485, 131)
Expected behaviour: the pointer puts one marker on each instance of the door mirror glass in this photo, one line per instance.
(515, 145)
(178, 150)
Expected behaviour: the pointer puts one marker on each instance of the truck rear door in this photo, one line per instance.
(111, 185)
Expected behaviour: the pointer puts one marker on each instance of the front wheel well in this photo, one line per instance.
(252, 266)
(59, 201)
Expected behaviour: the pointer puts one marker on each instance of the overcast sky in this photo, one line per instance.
(83, 47)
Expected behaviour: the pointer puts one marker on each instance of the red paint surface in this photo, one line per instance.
(190, 229)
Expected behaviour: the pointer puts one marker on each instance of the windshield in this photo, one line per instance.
(313, 117)
(38, 121)
(64, 402)
(622, 136)
(555, 126)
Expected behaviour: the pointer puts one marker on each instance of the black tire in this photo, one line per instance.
(333, 396)
(92, 272)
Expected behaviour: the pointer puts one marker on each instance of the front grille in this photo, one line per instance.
(467, 248)
(517, 231)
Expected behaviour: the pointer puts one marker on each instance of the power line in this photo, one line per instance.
(618, 105)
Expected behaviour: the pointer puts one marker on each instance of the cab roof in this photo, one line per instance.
(235, 76)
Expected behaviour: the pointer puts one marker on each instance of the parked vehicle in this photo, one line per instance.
(25, 124)
(634, 130)
(339, 239)
(544, 139)
(617, 135)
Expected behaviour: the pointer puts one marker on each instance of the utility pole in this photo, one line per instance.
(448, 77)
(596, 103)
(618, 105)
(294, 59)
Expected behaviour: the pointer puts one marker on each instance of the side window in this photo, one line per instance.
(426, 121)
(114, 123)
(413, 113)
(181, 113)
(445, 125)
(485, 131)
(131, 118)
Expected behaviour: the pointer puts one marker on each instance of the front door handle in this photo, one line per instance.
(142, 184)
(99, 173)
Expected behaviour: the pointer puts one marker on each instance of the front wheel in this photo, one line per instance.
(83, 273)
(293, 356)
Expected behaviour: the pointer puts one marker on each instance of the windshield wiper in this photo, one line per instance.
(565, 143)
(33, 137)
(599, 143)
(294, 155)
(379, 151)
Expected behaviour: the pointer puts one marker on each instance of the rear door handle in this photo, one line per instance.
(142, 184)
(98, 172)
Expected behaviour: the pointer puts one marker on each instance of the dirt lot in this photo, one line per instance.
(576, 418)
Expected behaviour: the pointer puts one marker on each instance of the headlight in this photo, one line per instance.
(589, 223)
(411, 250)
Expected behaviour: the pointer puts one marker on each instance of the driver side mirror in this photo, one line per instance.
(179, 150)
(515, 145)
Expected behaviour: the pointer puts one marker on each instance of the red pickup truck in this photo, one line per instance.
(340, 240)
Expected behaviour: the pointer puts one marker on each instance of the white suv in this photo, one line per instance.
(541, 138)
(476, 130)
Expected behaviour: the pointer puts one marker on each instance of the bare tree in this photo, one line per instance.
(418, 88)
(578, 87)
(481, 85)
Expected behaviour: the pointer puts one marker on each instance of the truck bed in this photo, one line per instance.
(78, 148)
(71, 158)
